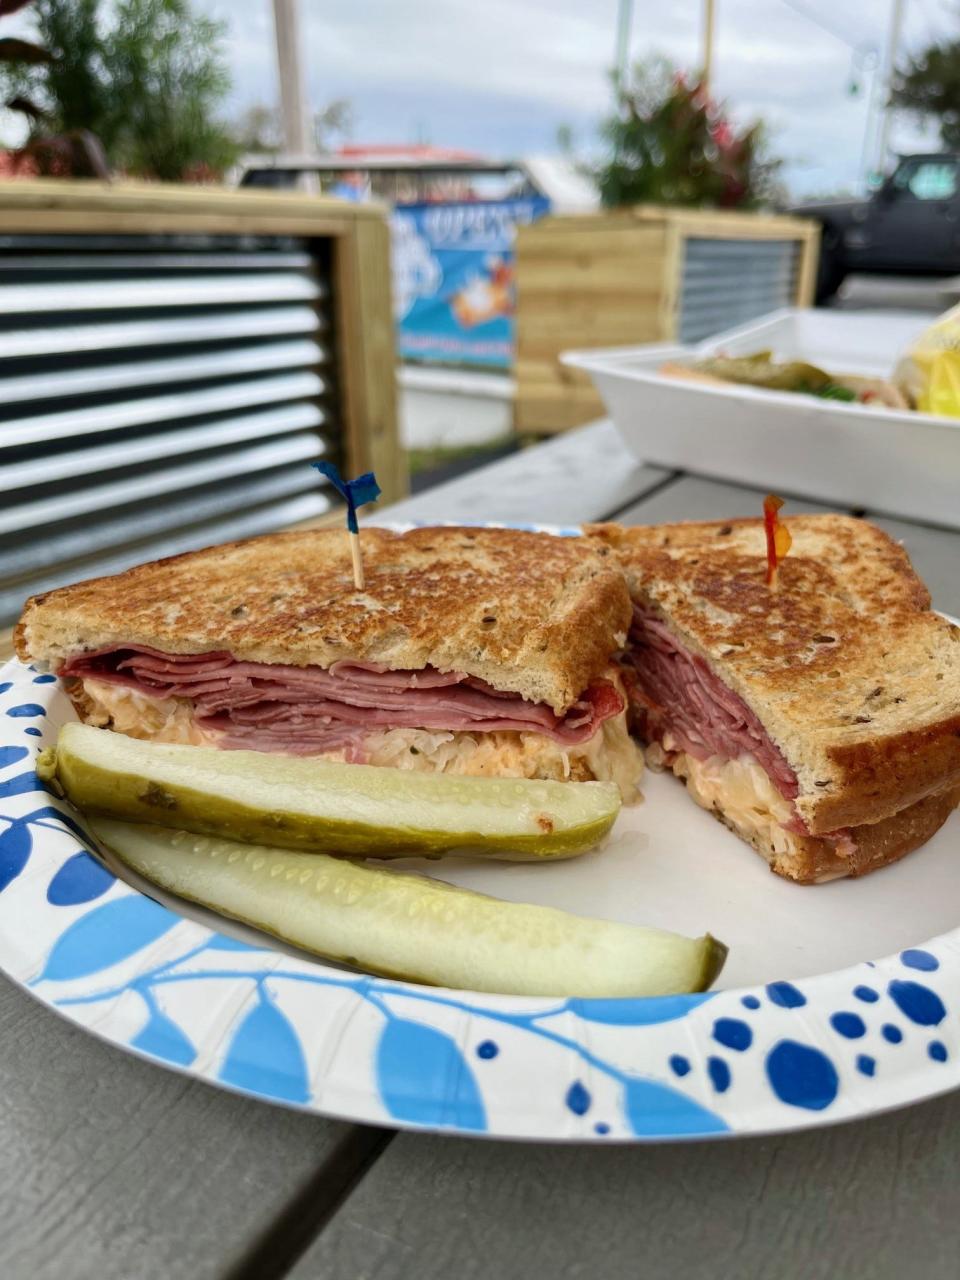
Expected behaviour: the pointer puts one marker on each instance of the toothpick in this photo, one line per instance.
(357, 494)
(358, 578)
(778, 538)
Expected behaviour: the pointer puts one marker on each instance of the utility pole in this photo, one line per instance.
(889, 69)
(293, 107)
(707, 60)
(622, 51)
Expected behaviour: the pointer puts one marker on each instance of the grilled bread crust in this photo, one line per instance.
(854, 678)
(527, 612)
(813, 860)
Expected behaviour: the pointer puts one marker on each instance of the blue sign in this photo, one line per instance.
(453, 284)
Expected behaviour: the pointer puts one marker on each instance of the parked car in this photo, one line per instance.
(909, 226)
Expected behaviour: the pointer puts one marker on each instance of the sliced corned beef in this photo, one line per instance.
(677, 694)
(268, 706)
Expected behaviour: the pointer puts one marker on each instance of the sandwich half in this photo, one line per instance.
(471, 651)
(819, 719)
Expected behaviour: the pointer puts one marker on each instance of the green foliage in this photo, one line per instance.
(928, 86)
(145, 76)
(258, 129)
(71, 91)
(565, 139)
(335, 119)
(669, 143)
(165, 66)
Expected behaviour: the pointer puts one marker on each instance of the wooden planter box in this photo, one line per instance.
(171, 361)
(646, 274)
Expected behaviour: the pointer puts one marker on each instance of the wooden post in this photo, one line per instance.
(809, 252)
(889, 71)
(708, 24)
(368, 361)
(621, 62)
(296, 132)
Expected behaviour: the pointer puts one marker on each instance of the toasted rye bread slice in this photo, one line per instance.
(853, 677)
(529, 613)
(813, 860)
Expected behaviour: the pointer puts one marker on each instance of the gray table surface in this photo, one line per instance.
(111, 1167)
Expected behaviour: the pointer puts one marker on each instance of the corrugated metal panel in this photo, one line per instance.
(157, 394)
(728, 282)
(246, 525)
(220, 327)
(140, 295)
(160, 373)
(165, 511)
(71, 496)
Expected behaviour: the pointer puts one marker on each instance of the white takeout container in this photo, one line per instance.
(886, 460)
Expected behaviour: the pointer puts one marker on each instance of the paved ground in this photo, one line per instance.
(892, 293)
(448, 408)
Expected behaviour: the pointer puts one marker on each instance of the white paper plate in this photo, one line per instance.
(806, 1028)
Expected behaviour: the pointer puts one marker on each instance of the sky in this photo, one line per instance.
(501, 76)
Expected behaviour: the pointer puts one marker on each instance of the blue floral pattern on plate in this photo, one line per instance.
(298, 1032)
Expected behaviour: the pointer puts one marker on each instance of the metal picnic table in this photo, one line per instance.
(116, 1169)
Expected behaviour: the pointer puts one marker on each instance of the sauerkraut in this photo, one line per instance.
(739, 789)
(609, 756)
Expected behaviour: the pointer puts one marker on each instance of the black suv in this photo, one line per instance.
(909, 226)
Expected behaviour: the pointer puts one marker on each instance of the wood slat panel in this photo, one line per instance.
(552, 412)
(146, 208)
(113, 1168)
(554, 322)
(697, 498)
(582, 476)
(605, 273)
(867, 1201)
(641, 275)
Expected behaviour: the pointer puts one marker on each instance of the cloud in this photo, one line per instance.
(500, 76)
(503, 75)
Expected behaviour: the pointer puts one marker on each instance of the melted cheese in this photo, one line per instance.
(742, 791)
(609, 756)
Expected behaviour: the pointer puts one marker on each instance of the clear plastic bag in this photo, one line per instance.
(928, 373)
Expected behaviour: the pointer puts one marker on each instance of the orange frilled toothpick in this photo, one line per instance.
(779, 541)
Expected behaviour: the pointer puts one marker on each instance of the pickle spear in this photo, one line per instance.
(347, 809)
(409, 926)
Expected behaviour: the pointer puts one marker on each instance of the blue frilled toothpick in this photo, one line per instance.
(357, 493)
